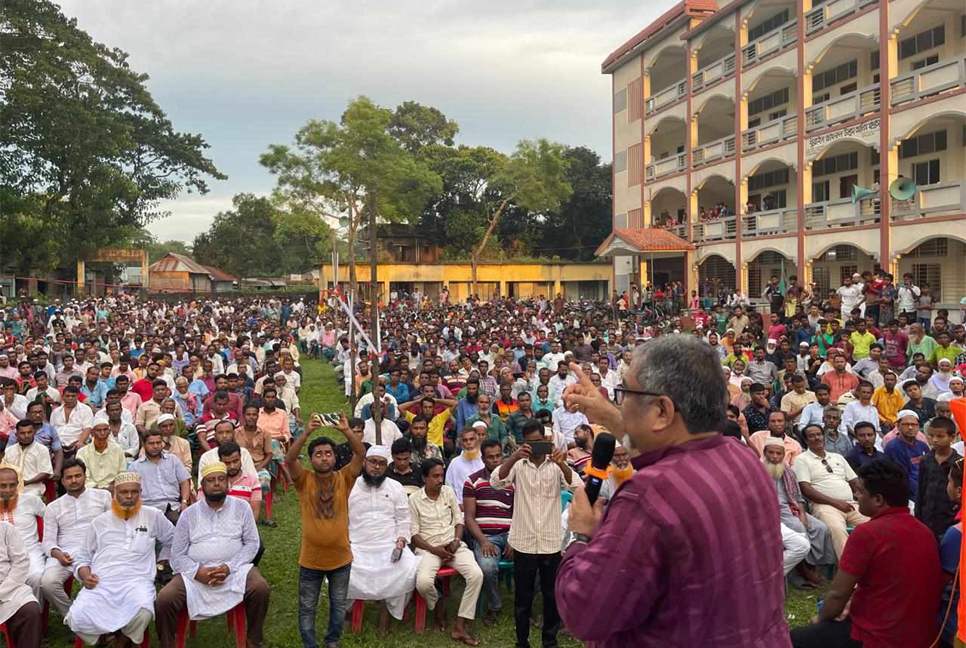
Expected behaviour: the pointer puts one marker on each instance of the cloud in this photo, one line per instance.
(189, 216)
(247, 73)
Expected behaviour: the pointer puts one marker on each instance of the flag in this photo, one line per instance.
(958, 407)
(781, 283)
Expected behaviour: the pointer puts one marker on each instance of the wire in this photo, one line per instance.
(949, 607)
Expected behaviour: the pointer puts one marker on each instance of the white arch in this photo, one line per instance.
(717, 254)
(666, 118)
(662, 51)
(872, 253)
(828, 147)
(769, 249)
(925, 120)
(726, 179)
(770, 158)
(706, 101)
(760, 76)
(928, 237)
(850, 34)
(667, 190)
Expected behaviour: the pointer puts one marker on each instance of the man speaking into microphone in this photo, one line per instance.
(689, 550)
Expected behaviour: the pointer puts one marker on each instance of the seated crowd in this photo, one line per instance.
(147, 438)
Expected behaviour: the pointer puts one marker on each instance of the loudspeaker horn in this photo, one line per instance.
(902, 188)
(858, 193)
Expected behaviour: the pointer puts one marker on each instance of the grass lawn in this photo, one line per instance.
(279, 566)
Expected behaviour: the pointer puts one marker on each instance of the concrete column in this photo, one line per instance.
(557, 288)
(503, 288)
(79, 290)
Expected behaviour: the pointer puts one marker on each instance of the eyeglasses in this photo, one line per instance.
(619, 393)
(827, 467)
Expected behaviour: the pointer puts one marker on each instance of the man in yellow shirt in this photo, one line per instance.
(437, 422)
(888, 400)
(861, 341)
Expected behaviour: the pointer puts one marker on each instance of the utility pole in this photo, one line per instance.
(373, 279)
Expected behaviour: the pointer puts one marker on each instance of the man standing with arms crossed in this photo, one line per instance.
(325, 554)
(535, 532)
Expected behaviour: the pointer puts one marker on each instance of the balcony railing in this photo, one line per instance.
(929, 80)
(840, 109)
(776, 130)
(723, 229)
(667, 166)
(666, 96)
(773, 41)
(931, 199)
(681, 231)
(715, 150)
(842, 213)
(773, 221)
(714, 72)
(819, 18)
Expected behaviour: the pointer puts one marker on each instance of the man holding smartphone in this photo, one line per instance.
(539, 473)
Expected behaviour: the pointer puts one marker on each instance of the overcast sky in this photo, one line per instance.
(246, 73)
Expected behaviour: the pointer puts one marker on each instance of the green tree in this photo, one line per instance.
(346, 169)
(303, 238)
(87, 153)
(416, 126)
(241, 241)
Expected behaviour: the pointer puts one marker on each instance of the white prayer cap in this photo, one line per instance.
(379, 451)
(957, 379)
(164, 418)
(905, 413)
(481, 424)
(946, 361)
(775, 441)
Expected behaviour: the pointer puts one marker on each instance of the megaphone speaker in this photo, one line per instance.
(902, 188)
(858, 193)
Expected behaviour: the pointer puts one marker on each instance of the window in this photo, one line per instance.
(922, 42)
(874, 60)
(820, 191)
(875, 157)
(820, 98)
(620, 221)
(620, 162)
(847, 88)
(923, 144)
(772, 23)
(754, 123)
(759, 181)
(847, 271)
(932, 248)
(845, 185)
(620, 101)
(769, 101)
(929, 60)
(931, 274)
(778, 114)
(836, 164)
(838, 74)
(926, 173)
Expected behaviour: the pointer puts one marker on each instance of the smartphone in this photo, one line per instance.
(541, 448)
(396, 554)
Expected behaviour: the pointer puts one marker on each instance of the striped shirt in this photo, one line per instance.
(494, 507)
(245, 487)
(669, 565)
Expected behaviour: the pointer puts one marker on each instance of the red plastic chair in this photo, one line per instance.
(50, 490)
(236, 625)
(421, 606)
(6, 635)
(269, 500)
(358, 610)
(79, 643)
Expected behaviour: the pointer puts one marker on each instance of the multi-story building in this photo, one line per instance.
(776, 109)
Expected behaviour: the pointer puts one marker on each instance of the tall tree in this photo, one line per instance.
(242, 241)
(416, 126)
(303, 238)
(350, 168)
(87, 153)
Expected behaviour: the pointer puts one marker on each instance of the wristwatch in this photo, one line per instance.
(581, 537)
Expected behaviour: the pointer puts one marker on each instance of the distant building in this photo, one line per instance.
(178, 273)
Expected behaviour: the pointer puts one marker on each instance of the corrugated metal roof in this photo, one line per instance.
(172, 262)
(218, 275)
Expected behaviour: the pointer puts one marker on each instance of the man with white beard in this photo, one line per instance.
(791, 505)
(117, 566)
(379, 530)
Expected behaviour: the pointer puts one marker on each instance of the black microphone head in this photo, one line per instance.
(603, 450)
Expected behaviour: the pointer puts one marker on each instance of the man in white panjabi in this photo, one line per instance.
(214, 545)
(379, 524)
(22, 510)
(116, 565)
(19, 609)
(66, 521)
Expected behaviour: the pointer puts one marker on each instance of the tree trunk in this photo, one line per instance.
(475, 254)
(373, 268)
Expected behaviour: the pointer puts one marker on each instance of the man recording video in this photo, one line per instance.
(662, 565)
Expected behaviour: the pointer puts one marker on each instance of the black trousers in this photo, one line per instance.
(526, 568)
(830, 634)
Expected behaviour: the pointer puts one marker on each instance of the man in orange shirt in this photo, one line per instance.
(273, 420)
(839, 380)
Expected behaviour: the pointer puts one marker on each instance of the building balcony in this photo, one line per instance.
(773, 221)
(666, 97)
(840, 109)
(777, 130)
(821, 17)
(930, 80)
(667, 166)
(681, 231)
(931, 199)
(715, 150)
(774, 41)
(721, 229)
(842, 212)
(718, 70)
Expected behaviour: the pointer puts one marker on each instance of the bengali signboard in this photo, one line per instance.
(867, 132)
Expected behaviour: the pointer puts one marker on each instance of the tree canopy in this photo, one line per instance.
(87, 154)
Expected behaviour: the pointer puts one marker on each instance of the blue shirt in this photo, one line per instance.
(908, 457)
(400, 392)
(858, 458)
(161, 482)
(464, 410)
(949, 560)
(46, 436)
(95, 396)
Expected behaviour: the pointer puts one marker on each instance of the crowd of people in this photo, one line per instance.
(147, 437)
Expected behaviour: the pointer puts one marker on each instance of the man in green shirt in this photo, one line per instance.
(945, 350)
(519, 418)
(861, 341)
(495, 427)
(919, 342)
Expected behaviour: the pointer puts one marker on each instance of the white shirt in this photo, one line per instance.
(128, 438)
(908, 298)
(32, 461)
(814, 414)
(856, 412)
(459, 469)
(850, 297)
(24, 520)
(67, 519)
(293, 379)
(52, 394)
(378, 515)
(609, 381)
(18, 407)
(390, 432)
(557, 385)
(81, 418)
(126, 416)
(14, 571)
(211, 456)
(810, 470)
(367, 400)
(564, 423)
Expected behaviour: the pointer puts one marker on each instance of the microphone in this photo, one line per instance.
(600, 456)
